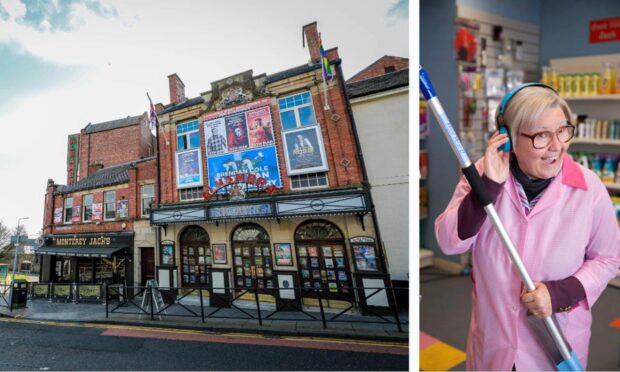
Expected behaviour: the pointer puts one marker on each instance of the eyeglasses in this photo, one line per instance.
(541, 140)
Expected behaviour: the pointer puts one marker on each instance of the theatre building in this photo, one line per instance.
(96, 227)
(263, 185)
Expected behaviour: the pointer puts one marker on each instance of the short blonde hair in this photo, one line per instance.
(522, 110)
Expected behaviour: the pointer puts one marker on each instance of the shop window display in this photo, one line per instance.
(253, 262)
(322, 259)
(196, 255)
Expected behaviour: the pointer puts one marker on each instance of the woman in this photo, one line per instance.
(559, 216)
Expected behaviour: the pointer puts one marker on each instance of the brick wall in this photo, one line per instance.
(143, 173)
(378, 68)
(116, 146)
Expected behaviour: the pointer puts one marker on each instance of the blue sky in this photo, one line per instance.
(67, 63)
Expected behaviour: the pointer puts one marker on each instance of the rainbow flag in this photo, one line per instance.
(327, 70)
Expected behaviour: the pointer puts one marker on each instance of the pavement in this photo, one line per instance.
(244, 319)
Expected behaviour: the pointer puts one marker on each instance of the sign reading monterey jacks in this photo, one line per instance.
(240, 146)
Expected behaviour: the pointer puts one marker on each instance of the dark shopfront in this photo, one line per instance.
(87, 258)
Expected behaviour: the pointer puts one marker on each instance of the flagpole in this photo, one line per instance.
(322, 60)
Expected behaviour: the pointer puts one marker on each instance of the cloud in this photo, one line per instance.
(4, 15)
(399, 10)
(26, 73)
(61, 15)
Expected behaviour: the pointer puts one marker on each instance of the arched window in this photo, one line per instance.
(322, 258)
(253, 262)
(195, 255)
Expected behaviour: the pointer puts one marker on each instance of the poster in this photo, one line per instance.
(122, 208)
(236, 132)
(262, 162)
(167, 254)
(260, 127)
(58, 215)
(283, 254)
(189, 169)
(365, 257)
(219, 253)
(76, 213)
(215, 132)
(304, 152)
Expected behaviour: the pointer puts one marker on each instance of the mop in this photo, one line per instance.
(564, 358)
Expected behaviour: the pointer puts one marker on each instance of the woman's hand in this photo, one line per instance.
(496, 163)
(538, 302)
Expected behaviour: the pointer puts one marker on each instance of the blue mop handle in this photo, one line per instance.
(571, 362)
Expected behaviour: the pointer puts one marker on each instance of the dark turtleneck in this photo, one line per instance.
(532, 187)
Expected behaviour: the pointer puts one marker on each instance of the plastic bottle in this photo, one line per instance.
(595, 81)
(617, 90)
(607, 79)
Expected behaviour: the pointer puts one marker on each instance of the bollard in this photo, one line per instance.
(318, 291)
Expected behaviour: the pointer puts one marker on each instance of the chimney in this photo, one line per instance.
(311, 34)
(95, 166)
(177, 89)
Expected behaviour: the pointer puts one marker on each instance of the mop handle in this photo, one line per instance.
(477, 185)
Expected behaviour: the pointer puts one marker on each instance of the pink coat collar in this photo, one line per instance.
(572, 175)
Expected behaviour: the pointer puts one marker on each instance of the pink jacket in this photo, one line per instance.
(571, 231)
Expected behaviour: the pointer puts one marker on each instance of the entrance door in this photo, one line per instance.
(147, 264)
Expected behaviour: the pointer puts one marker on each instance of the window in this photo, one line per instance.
(308, 181)
(87, 202)
(110, 205)
(148, 196)
(192, 193)
(188, 136)
(389, 69)
(68, 209)
(296, 111)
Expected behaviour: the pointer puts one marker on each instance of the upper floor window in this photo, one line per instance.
(110, 205)
(87, 202)
(188, 136)
(148, 196)
(68, 209)
(192, 193)
(296, 111)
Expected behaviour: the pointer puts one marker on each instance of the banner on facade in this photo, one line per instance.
(73, 151)
(260, 127)
(76, 213)
(97, 211)
(304, 151)
(57, 215)
(236, 132)
(261, 162)
(189, 169)
(214, 136)
(122, 208)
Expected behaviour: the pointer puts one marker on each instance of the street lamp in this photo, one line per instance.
(15, 258)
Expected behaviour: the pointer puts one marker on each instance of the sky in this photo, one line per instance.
(67, 63)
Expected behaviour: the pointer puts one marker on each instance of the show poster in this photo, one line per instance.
(122, 208)
(76, 213)
(236, 132)
(97, 211)
(189, 169)
(260, 162)
(260, 126)
(57, 215)
(304, 151)
(215, 135)
(283, 254)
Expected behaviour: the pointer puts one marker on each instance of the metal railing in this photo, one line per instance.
(5, 294)
(246, 303)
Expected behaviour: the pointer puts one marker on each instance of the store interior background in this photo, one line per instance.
(564, 28)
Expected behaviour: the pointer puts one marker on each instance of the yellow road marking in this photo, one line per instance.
(403, 345)
(440, 357)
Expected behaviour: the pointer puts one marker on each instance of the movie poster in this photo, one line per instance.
(215, 135)
(236, 132)
(97, 211)
(189, 169)
(122, 208)
(304, 151)
(260, 127)
(261, 162)
(76, 213)
(283, 254)
(58, 215)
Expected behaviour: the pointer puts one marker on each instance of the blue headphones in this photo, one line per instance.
(501, 125)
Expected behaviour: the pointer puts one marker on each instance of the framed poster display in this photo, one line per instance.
(219, 253)
(304, 151)
(189, 169)
(167, 253)
(283, 254)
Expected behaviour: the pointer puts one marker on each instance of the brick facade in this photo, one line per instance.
(379, 67)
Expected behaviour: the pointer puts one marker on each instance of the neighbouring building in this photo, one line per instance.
(96, 228)
(379, 97)
(262, 185)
